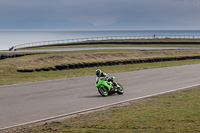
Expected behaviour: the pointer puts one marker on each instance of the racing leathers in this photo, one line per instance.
(103, 74)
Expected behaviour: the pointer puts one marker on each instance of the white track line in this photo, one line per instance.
(90, 109)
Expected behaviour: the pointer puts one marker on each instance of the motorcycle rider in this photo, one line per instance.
(99, 73)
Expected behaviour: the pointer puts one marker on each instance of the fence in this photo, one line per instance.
(41, 43)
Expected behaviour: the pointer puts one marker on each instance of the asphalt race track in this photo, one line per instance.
(99, 48)
(29, 102)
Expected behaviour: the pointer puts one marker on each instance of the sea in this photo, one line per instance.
(9, 38)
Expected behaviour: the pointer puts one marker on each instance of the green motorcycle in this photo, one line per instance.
(106, 87)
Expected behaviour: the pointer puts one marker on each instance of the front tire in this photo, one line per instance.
(120, 90)
(103, 91)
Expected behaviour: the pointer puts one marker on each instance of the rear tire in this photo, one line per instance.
(120, 90)
(103, 91)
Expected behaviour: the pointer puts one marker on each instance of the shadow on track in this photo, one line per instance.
(95, 96)
(99, 96)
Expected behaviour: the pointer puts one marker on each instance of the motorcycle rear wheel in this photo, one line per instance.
(103, 91)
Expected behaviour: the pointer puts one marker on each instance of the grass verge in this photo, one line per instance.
(175, 112)
(9, 75)
(13, 77)
(123, 43)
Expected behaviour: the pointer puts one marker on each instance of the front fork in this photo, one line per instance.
(109, 86)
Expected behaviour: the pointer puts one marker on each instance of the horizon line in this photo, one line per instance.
(99, 29)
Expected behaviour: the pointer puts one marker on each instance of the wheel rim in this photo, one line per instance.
(104, 92)
(121, 89)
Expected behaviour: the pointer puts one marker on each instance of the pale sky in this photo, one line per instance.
(100, 14)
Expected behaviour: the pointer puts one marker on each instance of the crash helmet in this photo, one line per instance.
(98, 72)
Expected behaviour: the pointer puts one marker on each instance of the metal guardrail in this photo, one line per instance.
(41, 43)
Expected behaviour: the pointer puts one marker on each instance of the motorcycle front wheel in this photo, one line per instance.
(103, 91)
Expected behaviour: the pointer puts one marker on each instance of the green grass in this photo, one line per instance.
(10, 76)
(175, 112)
(111, 45)
(56, 58)
(89, 43)
(178, 112)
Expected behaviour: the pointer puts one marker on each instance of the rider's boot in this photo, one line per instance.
(116, 85)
